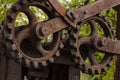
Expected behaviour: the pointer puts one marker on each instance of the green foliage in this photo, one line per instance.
(4, 6)
(111, 16)
(21, 19)
(40, 15)
(72, 4)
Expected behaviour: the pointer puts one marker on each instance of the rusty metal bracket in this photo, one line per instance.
(62, 11)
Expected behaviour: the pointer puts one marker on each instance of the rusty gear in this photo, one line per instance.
(23, 42)
(83, 52)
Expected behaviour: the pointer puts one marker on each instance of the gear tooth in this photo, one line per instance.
(97, 71)
(10, 25)
(47, 3)
(63, 36)
(99, 15)
(86, 68)
(78, 26)
(27, 62)
(71, 42)
(74, 35)
(81, 63)
(89, 70)
(77, 56)
(114, 32)
(61, 45)
(105, 18)
(14, 47)
(104, 69)
(24, 2)
(35, 64)
(11, 16)
(75, 45)
(44, 63)
(111, 24)
(69, 31)
(51, 60)
(57, 54)
(20, 55)
(73, 53)
(110, 64)
(83, 67)
(92, 71)
(16, 7)
(13, 54)
(76, 61)
(20, 60)
(9, 36)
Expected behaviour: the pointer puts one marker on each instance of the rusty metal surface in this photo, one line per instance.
(92, 9)
(50, 27)
(62, 11)
(82, 49)
(67, 52)
(102, 43)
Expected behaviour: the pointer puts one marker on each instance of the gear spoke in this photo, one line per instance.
(83, 40)
(94, 28)
(31, 16)
(92, 57)
(24, 34)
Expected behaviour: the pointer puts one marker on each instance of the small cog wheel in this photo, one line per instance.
(86, 57)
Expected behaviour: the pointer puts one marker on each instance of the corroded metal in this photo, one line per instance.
(68, 52)
(83, 50)
(102, 43)
(92, 9)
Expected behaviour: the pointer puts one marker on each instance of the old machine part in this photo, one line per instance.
(83, 46)
(66, 52)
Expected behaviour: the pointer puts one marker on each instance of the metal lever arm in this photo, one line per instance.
(50, 27)
(106, 44)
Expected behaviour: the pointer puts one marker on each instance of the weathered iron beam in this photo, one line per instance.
(62, 11)
(92, 9)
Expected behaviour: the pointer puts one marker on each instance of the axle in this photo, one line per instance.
(106, 44)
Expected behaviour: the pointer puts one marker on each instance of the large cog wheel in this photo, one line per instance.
(22, 45)
(85, 55)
